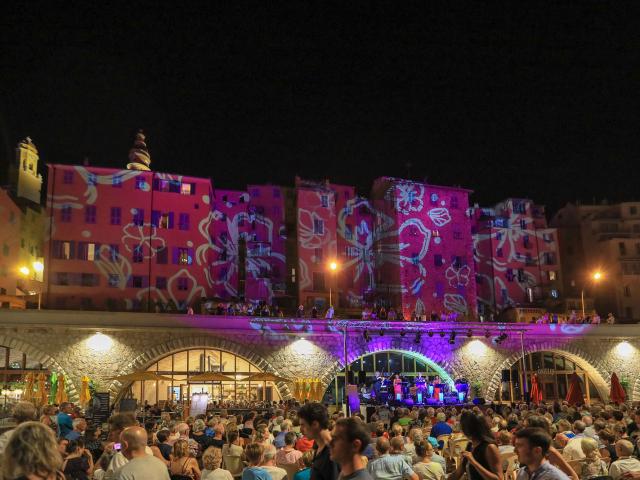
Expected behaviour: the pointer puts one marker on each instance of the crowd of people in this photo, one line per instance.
(289, 441)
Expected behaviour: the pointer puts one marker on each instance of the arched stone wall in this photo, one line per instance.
(573, 353)
(43, 358)
(153, 354)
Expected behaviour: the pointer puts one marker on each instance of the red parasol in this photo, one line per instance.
(616, 394)
(536, 393)
(574, 395)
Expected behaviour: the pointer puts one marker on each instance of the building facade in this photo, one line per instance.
(423, 248)
(602, 238)
(516, 257)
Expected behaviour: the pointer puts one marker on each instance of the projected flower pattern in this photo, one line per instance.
(501, 253)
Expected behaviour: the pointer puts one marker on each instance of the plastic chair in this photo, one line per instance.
(291, 468)
(510, 459)
(456, 447)
(445, 444)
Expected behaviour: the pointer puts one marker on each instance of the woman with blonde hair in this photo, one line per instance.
(425, 468)
(32, 454)
(211, 460)
(181, 463)
(592, 464)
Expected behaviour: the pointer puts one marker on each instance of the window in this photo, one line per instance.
(92, 180)
(255, 193)
(161, 283)
(318, 255)
(622, 248)
(165, 220)
(521, 277)
(65, 213)
(183, 256)
(61, 278)
(162, 255)
(438, 260)
(67, 177)
(138, 254)
(457, 235)
(499, 236)
(114, 280)
(348, 232)
(523, 224)
(86, 251)
(509, 274)
(324, 199)
(140, 183)
(525, 241)
(116, 181)
(138, 217)
(547, 237)
(67, 250)
(187, 189)
(276, 211)
(116, 216)
(183, 283)
(183, 222)
(136, 281)
(454, 202)
(318, 282)
(90, 214)
(89, 280)
(627, 291)
(552, 275)
(318, 226)
(499, 252)
(114, 252)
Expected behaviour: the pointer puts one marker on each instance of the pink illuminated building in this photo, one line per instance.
(128, 239)
(516, 256)
(423, 249)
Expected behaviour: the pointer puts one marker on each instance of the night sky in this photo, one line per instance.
(521, 102)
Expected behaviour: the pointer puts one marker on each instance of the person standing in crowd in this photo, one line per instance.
(346, 447)
(481, 461)
(22, 412)
(32, 453)
(314, 423)
(79, 463)
(182, 464)
(79, 426)
(117, 425)
(65, 421)
(140, 465)
(531, 446)
(49, 418)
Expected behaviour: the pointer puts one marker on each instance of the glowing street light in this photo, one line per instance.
(24, 271)
(595, 278)
(38, 267)
(333, 268)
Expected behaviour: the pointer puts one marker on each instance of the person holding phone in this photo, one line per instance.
(79, 462)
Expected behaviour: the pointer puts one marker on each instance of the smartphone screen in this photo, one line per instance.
(117, 446)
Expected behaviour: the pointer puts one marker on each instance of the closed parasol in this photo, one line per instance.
(140, 377)
(575, 395)
(53, 381)
(617, 393)
(27, 394)
(210, 377)
(85, 394)
(41, 395)
(61, 393)
(536, 393)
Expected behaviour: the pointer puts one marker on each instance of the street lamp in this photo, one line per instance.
(38, 267)
(333, 267)
(595, 278)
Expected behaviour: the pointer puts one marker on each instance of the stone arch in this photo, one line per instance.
(635, 391)
(153, 354)
(355, 355)
(43, 358)
(576, 355)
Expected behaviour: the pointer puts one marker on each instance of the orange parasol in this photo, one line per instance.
(85, 394)
(27, 394)
(575, 395)
(41, 396)
(61, 394)
(616, 394)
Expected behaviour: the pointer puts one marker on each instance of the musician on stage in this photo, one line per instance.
(436, 389)
(421, 388)
(397, 387)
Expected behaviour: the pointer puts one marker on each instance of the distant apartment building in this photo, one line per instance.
(603, 238)
(423, 248)
(21, 256)
(516, 257)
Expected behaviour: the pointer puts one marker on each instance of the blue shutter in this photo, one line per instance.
(155, 218)
(170, 219)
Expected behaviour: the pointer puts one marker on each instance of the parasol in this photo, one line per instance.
(85, 394)
(265, 377)
(53, 381)
(210, 377)
(296, 390)
(616, 394)
(140, 377)
(536, 393)
(574, 395)
(41, 396)
(27, 395)
(61, 393)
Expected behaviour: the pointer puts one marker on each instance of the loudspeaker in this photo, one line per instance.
(506, 377)
(362, 377)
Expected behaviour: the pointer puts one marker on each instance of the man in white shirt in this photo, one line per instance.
(139, 466)
(625, 462)
(117, 424)
(269, 464)
(573, 450)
